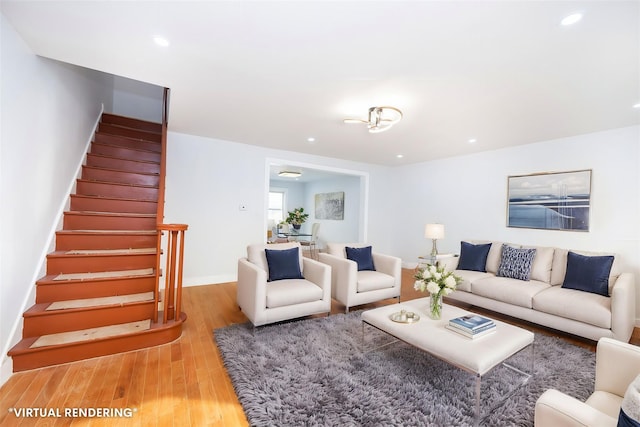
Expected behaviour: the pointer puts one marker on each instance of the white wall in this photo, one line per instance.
(468, 195)
(48, 112)
(207, 180)
(345, 230)
(137, 99)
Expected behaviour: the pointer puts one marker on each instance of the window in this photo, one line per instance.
(275, 211)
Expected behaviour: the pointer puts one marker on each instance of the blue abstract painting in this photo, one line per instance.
(552, 201)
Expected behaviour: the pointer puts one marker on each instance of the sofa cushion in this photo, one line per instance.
(588, 273)
(362, 257)
(283, 264)
(542, 263)
(559, 266)
(516, 262)
(468, 277)
(495, 253)
(581, 306)
(373, 280)
(510, 291)
(282, 293)
(473, 257)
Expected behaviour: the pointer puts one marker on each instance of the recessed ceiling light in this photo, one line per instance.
(399, 156)
(311, 139)
(571, 19)
(472, 141)
(161, 41)
(290, 174)
(637, 105)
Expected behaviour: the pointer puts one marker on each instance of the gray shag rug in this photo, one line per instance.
(315, 373)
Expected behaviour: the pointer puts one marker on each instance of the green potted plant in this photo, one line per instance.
(297, 218)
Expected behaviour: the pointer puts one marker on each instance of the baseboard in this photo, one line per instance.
(208, 280)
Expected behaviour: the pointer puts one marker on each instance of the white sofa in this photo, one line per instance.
(352, 287)
(617, 365)
(544, 301)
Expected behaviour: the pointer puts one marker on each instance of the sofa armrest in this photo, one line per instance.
(319, 274)
(344, 275)
(556, 409)
(617, 365)
(623, 307)
(251, 288)
(390, 265)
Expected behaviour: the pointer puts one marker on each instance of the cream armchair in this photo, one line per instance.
(352, 287)
(617, 365)
(264, 301)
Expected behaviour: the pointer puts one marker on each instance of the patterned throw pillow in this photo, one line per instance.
(516, 263)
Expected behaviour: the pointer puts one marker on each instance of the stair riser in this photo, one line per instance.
(97, 222)
(129, 132)
(125, 153)
(123, 141)
(67, 242)
(57, 321)
(88, 188)
(81, 264)
(93, 204)
(63, 291)
(107, 175)
(54, 356)
(121, 164)
(131, 122)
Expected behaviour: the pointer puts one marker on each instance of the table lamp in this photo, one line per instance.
(434, 232)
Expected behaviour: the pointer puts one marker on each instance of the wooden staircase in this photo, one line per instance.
(100, 292)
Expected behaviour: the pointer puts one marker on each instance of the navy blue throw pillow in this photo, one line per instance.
(588, 273)
(283, 264)
(473, 257)
(362, 256)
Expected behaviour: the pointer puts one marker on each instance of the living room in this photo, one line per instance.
(208, 178)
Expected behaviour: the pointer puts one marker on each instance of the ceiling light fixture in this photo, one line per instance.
(571, 19)
(637, 105)
(290, 174)
(161, 41)
(380, 119)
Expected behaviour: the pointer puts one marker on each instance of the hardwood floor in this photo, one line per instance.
(178, 384)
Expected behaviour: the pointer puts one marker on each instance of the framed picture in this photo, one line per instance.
(550, 201)
(330, 205)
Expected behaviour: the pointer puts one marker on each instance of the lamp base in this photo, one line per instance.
(434, 253)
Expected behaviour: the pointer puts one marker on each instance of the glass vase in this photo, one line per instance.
(435, 306)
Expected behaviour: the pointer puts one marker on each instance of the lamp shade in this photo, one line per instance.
(434, 231)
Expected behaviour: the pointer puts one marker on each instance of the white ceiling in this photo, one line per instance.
(275, 73)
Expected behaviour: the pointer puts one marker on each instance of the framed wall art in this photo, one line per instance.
(330, 205)
(550, 201)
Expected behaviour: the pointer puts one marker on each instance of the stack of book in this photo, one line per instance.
(472, 326)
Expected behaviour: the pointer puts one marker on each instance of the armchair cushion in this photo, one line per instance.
(588, 273)
(292, 292)
(283, 264)
(362, 257)
(473, 257)
(373, 280)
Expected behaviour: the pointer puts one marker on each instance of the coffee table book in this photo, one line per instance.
(472, 335)
(471, 322)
